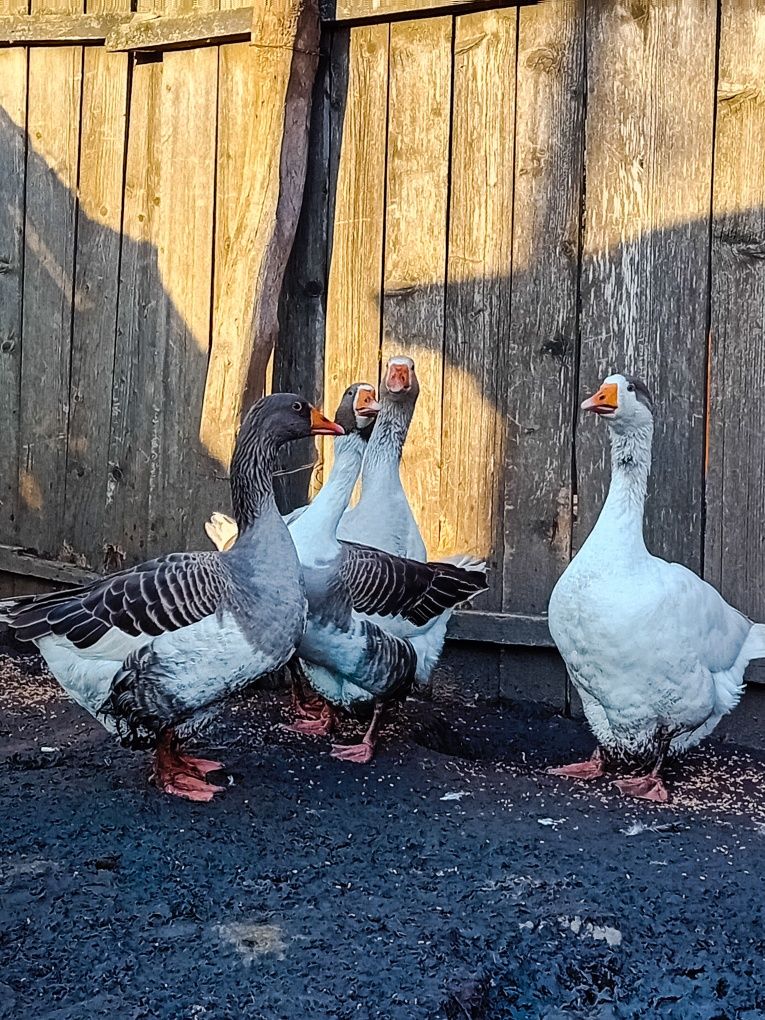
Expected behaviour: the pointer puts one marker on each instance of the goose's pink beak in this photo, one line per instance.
(399, 378)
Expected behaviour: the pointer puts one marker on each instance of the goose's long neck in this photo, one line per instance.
(334, 496)
(383, 454)
(621, 518)
(252, 486)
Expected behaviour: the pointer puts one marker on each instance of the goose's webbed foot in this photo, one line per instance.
(181, 775)
(365, 751)
(593, 768)
(650, 787)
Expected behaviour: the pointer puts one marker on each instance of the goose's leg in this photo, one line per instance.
(365, 751)
(181, 775)
(650, 787)
(319, 726)
(316, 716)
(306, 705)
(593, 768)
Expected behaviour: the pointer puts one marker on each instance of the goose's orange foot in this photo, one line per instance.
(590, 769)
(361, 753)
(310, 707)
(183, 776)
(648, 787)
(318, 726)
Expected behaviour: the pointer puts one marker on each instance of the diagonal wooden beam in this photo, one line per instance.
(285, 53)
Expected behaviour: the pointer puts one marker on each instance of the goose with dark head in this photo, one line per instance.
(152, 649)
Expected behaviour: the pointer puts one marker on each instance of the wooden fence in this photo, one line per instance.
(522, 198)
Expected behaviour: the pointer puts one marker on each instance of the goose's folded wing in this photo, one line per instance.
(385, 585)
(153, 598)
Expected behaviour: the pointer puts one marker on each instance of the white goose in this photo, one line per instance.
(655, 652)
(383, 517)
(371, 614)
(151, 649)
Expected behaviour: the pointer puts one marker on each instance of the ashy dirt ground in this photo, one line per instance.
(450, 878)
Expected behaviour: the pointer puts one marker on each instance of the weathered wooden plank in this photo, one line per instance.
(284, 57)
(478, 291)
(15, 560)
(644, 284)
(151, 31)
(358, 133)
(735, 489)
(55, 80)
(360, 10)
(188, 111)
(13, 151)
(99, 224)
(62, 29)
(299, 351)
(500, 628)
(415, 242)
(539, 371)
(138, 380)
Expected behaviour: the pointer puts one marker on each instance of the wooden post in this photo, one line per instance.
(285, 41)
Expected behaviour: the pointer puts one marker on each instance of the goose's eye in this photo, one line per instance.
(297, 406)
(631, 388)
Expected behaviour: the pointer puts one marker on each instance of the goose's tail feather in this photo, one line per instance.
(754, 646)
(222, 531)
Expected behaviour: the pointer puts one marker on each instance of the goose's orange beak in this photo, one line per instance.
(605, 401)
(321, 426)
(367, 405)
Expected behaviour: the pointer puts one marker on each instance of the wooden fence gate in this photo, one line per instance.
(522, 198)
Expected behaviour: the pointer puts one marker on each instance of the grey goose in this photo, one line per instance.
(151, 649)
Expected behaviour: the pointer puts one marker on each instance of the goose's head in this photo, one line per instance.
(358, 410)
(283, 417)
(399, 382)
(624, 401)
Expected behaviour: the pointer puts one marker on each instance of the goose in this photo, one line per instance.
(655, 652)
(369, 613)
(383, 517)
(356, 414)
(151, 649)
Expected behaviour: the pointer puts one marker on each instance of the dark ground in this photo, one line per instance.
(320, 889)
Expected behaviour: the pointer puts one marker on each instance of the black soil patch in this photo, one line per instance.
(450, 878)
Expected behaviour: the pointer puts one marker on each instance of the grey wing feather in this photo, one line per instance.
(385, 585)
(152, 598)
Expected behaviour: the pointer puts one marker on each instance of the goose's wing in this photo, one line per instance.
(153, 598)
(694, 615)
(385, 585)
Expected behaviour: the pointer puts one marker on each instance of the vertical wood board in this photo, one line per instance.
(99, 225)
(644, 278)
(735, 492)
(138, 380)
(187, 179)
(478, 290)
(55, 80)
(358, 136)
(13, 151)
(415, 243)
(540, 367)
